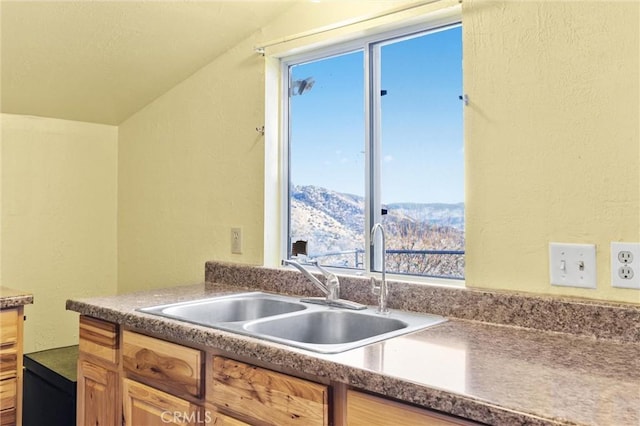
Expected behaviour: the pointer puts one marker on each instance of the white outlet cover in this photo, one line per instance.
(572, 265)
(634, 264)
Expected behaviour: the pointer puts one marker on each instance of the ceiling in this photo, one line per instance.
(101, 61)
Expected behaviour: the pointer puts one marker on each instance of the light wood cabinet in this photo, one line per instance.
(98, 388)
(11, 327)
(368, 410)
(266, 396)
(144, 405)
(129, 378)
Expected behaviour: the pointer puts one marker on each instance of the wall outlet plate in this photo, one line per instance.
(625, 265)
(572, 265)
(236, 240)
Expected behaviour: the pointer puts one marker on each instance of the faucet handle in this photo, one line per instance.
(375, 287)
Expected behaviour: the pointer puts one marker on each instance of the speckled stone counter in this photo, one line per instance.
(494, 374)
(10, 298)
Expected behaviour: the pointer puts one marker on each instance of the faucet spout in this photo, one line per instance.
(331, 289)
(326, 289)
(381, 290)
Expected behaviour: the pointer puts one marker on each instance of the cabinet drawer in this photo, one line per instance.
(173, 368)
(8, 417)
(267, 396)
(8, 393)
(368, 410)
(8, 327)
(99, 339)
(144, 405)
(8, 362)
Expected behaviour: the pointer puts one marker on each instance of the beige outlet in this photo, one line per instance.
(236, 240)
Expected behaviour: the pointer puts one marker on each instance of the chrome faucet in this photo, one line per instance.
(381, 290)
(331, 288)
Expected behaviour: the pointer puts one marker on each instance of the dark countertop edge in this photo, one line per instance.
(7, 302)
(294, 359)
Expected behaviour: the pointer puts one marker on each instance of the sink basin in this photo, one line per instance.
(289, 321)
(327, 327)
(243, 307)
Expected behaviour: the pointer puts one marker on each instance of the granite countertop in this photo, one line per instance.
(495, 374)
(11, 298)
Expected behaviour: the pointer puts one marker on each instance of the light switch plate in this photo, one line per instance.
(572, 265)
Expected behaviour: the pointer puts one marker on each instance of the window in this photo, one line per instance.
(374, 134)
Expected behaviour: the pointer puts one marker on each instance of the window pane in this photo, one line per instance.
(422, 164)
(326, 145)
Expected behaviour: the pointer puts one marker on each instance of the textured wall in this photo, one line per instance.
(552, 148)
(58, 219)
(552, 137)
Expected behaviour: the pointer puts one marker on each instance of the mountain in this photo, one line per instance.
(333, 223)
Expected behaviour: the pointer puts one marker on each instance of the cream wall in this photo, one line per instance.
(552, 148)
(552, 138)
(58, 219)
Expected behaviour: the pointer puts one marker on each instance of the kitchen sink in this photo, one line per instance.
(242, 307)
(326, 327)
(289, 321)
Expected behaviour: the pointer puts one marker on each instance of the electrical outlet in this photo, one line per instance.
(236, 240)
(625, 265)
(572, 265)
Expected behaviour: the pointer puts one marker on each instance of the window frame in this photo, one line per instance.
(370, 45)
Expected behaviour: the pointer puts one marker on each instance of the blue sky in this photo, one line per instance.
(422, 141)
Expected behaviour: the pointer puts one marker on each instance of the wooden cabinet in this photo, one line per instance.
(11, 326)
(266, 396)
(98, 374)
(133, 379)
(144, 405)
(368, 410)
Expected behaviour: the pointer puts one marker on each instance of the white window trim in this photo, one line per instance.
(276, 200)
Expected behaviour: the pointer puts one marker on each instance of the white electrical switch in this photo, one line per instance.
(572, 265)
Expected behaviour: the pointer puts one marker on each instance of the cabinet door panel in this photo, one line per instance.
(99, 339)
(8, 417)
(8, 362)
(8, 327)
(8, 392)
(270, 397)
(144, 405)
(368, 410)
(173, 368)
(97, 395)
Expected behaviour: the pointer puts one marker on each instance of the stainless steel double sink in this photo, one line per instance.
(289, 321)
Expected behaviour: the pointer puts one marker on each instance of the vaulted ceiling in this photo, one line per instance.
(101, 61)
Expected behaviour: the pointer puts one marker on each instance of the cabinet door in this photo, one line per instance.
(97, 395)
(266, 396)
(144, 405)
(367, 410)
